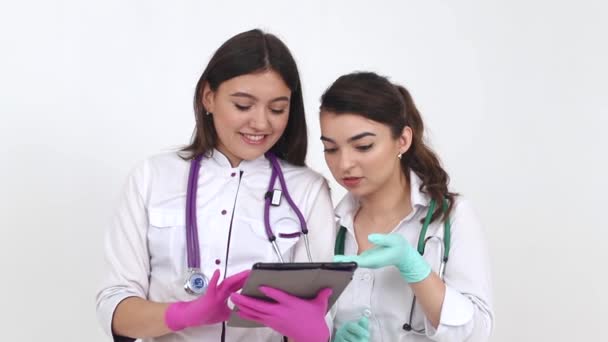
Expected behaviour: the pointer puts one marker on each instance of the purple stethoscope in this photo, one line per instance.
(197, 282)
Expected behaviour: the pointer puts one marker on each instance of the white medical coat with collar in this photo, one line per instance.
(385, 298)
(145, 247)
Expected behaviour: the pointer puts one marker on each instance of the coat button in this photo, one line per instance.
(224, 212)
(233, 174)
(218, 261)
(367, 313)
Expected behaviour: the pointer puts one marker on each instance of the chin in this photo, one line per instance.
(252, 155)
(360, 191)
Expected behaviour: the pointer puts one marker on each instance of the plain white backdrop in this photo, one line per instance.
(513, 94)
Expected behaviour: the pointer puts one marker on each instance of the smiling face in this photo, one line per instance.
(361, 153)
(250, 113)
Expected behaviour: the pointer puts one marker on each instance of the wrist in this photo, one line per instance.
(415, 272)
(321, 335)
(416, 277)
(175, 316)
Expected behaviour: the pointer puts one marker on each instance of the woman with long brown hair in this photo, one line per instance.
(423, 266)
(192, 222)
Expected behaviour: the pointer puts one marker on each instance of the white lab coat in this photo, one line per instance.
(385, 298)
(145, 247)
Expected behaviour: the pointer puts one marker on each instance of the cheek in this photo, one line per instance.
(279, 122)
(375, 164)
(223, 128)
(331, 161)
(228, 120)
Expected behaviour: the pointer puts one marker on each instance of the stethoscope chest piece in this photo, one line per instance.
(196, 282)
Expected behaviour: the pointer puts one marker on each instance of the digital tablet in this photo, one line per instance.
(300, 279)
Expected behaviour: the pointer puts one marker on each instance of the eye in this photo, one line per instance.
(277, 111)
(330, 150)
(364, 148)
(241, 107)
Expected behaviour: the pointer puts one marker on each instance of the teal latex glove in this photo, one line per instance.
(354, 331)
(391, 249)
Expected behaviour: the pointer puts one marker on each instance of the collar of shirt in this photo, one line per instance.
(219, 160)
(348, 206)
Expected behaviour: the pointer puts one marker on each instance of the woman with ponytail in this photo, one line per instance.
(411, 285)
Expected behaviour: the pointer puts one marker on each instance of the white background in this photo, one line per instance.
(513, 94)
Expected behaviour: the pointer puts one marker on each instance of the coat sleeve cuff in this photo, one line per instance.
(457, 310)
(106, 311)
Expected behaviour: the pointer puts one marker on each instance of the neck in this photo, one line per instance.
(390, 203)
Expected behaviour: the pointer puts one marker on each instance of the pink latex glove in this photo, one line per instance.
(300, 319)
(209, 308)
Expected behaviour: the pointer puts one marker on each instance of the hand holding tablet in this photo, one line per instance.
(274, 292)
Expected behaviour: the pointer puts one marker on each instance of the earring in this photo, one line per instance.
(208, 113)
(399, 155)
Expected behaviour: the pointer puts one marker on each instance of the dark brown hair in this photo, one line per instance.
(376, 98)
(246, 53)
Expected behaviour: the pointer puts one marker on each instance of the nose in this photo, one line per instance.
(259, 120)
(346, 160)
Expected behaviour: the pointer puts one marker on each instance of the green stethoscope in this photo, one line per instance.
(422, 240)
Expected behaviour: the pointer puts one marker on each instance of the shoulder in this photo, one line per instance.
(464, 219)
(302, 174)
(161, 166)
(165, 160)
(463, 209)
(308, 185)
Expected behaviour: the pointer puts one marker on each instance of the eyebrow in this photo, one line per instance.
(251, 97)
(351, 139)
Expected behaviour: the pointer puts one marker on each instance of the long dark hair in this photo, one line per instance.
(251, 52)
(376, 98)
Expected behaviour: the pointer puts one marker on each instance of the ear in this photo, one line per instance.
(405, 139)
(208, 98)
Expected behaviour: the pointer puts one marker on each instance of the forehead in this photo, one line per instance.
(263, 85)
(345, 125)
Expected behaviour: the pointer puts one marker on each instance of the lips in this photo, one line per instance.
(254, 139)
(351, 181)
